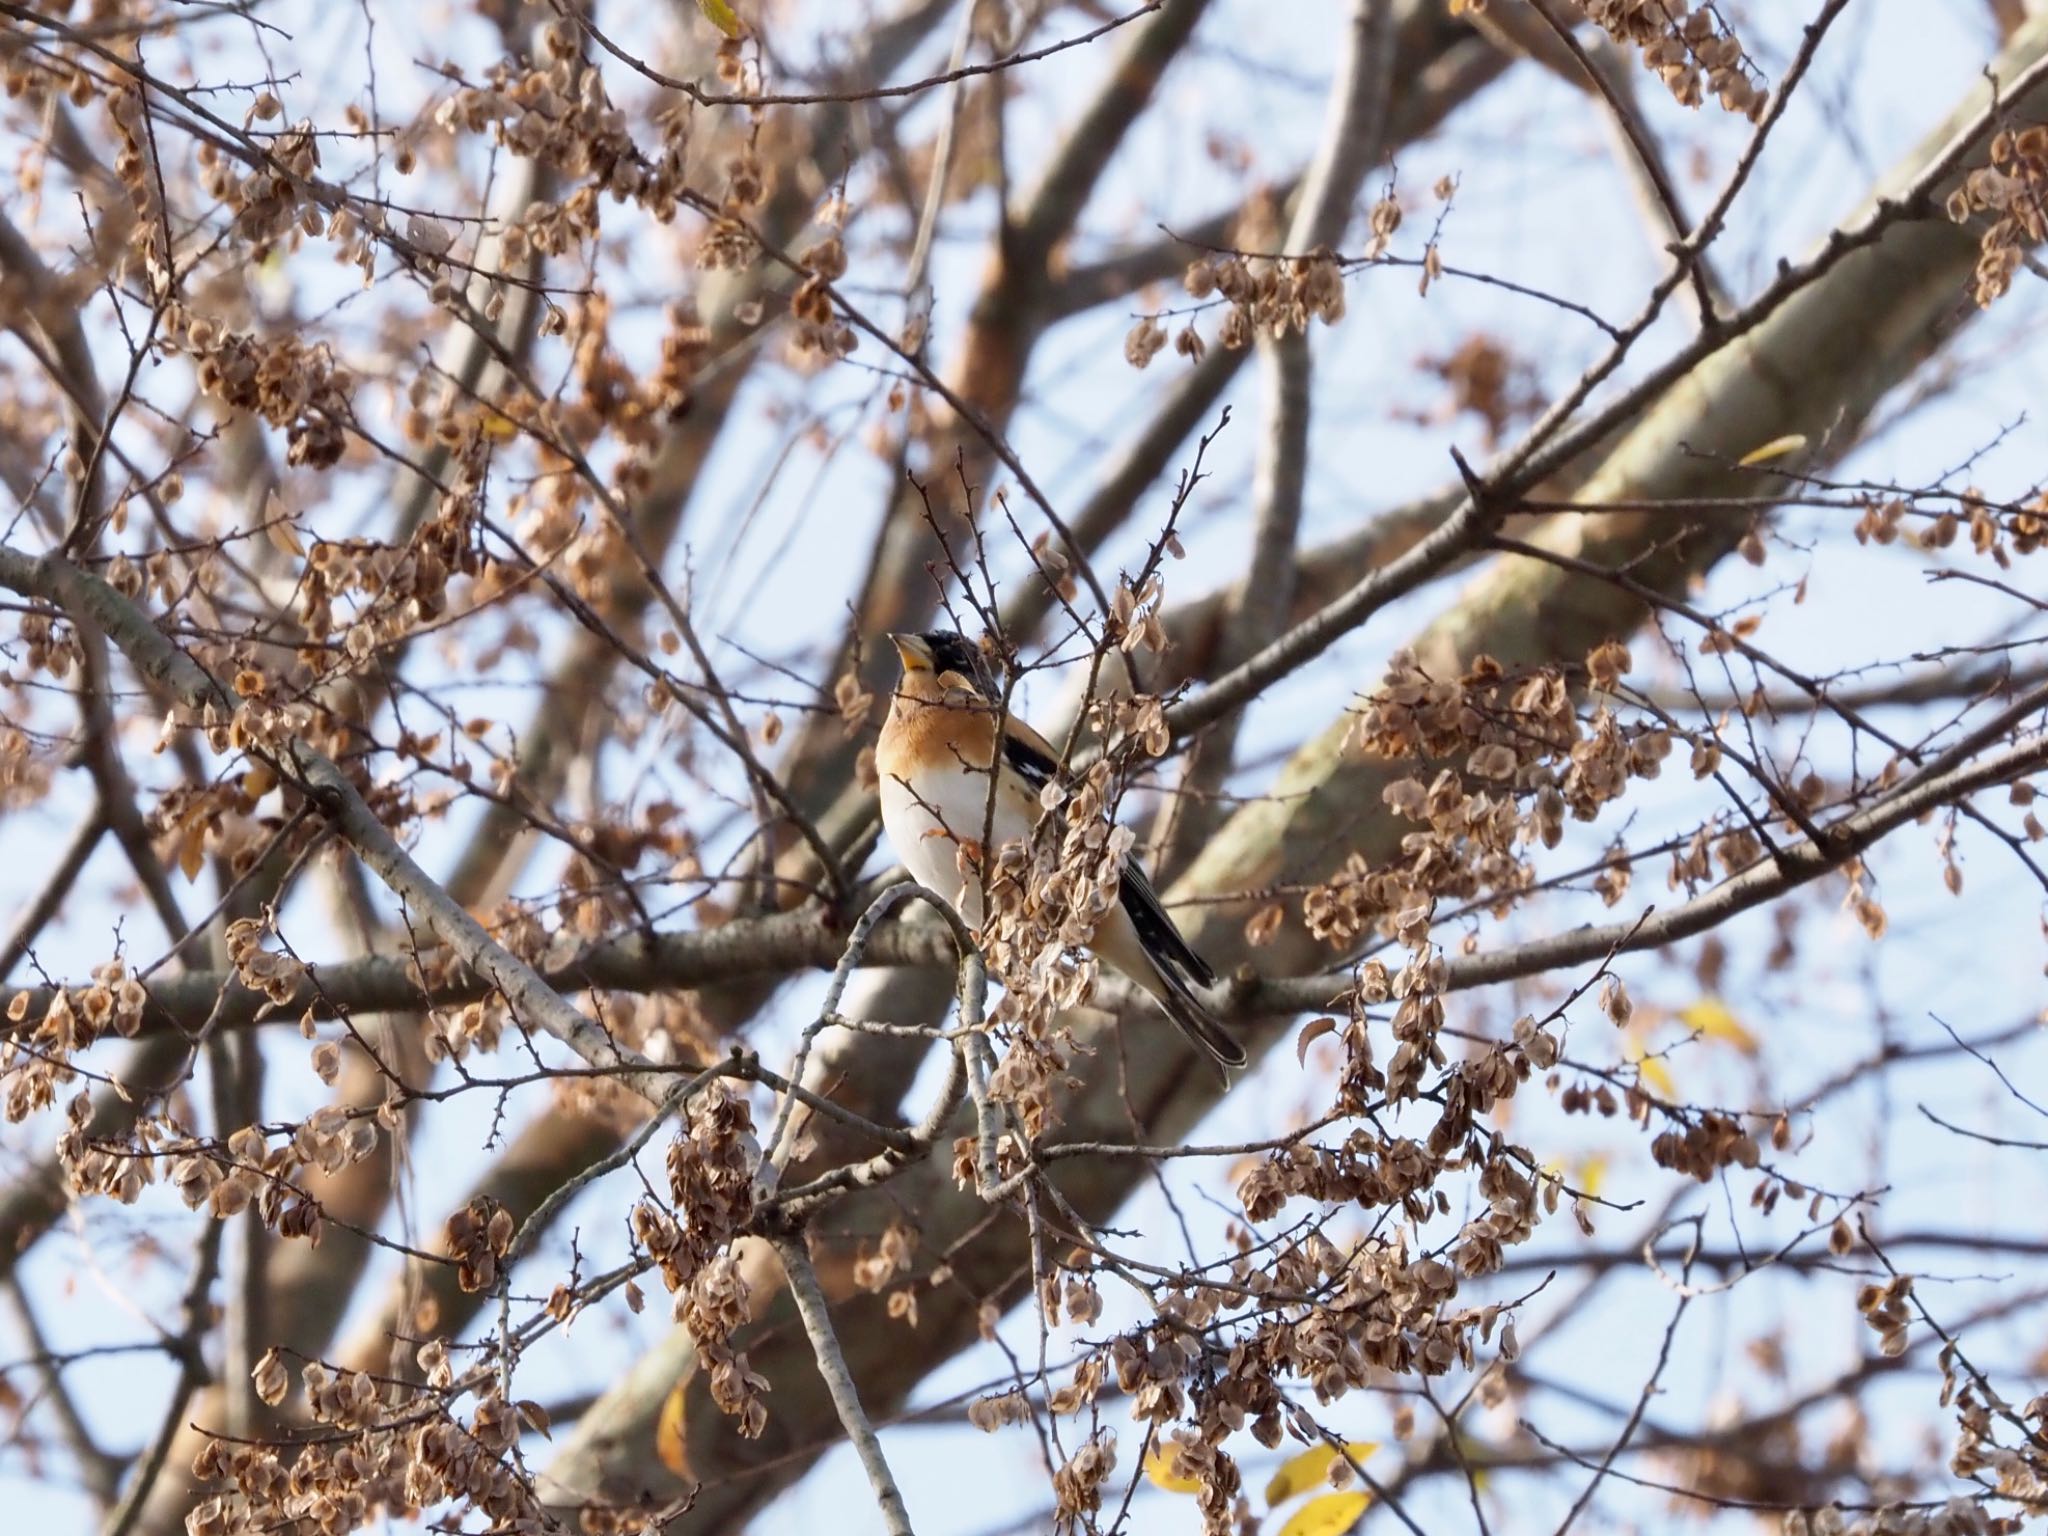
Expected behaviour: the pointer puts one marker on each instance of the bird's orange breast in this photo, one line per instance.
(933, 729)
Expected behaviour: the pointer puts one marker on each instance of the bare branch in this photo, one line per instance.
(817, 1320)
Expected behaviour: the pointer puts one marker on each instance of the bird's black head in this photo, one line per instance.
(955, 653)
(943, 650)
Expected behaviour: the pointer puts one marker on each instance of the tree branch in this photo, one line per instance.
(817, 1321)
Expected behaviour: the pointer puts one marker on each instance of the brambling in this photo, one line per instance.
(934, 759)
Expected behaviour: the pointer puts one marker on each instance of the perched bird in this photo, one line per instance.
(934, 758)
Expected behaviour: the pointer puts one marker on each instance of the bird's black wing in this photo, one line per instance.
(1035, 766)
(1162, 941)
(1156, 932)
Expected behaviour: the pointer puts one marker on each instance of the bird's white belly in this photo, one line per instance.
(926, 830)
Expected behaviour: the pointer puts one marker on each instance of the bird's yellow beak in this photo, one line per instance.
(914, 653)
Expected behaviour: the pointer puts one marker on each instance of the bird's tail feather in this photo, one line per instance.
(1178, 998)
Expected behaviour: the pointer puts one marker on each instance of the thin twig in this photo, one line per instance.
(817, 1320)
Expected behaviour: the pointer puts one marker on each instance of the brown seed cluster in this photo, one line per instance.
(2000, 532)
(477, 1238)
(556, 112)
(820, 332)
(612, 399)
(1958, 1517)
(386, 1451)
(245, 1170)
(360, 596)
(290, 382)
(1264, 295)
(255, 1172)
(1519, 760)
(1077, 1485)
(278, 977)
(2012, 193)
(36, 1061)
(1996, 1446)
(145, 226)
(1330, 1319)
(1691, 49)
(1703, 1147)
(52, 648)
(711, 1167)
(1885, 1312)
(1046, 895)
(1366, 1169)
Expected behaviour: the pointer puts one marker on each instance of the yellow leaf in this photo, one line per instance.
(1159, 1467)
(668, 1434)
(720, 15)
(499, 427)
(1474, 1459)
(1331, 1515)
(1592, 1173)
(1300, 1473)
(1710, 1016)
(1776, 448)
(192, 850)
(1651, 1069)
